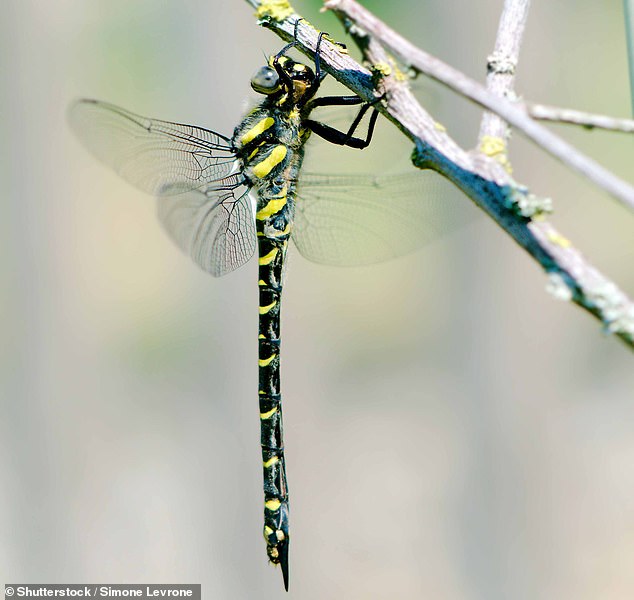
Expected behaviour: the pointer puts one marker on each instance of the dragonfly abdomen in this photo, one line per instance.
(273, 227)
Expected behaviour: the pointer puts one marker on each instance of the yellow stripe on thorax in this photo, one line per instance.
(274, 205)
(257, 149)
(269, 463)
(259, 128)
(263, 168)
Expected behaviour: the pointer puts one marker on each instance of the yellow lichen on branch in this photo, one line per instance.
(495, 147)
(278, 10)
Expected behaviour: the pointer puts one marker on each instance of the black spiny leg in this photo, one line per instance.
(312, 90)
(330, 134)
(334, 136)
(290, 44)
(284, 76)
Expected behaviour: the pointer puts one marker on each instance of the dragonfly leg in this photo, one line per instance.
(276, 62)
(314, 86)
(334, 136)
(292, 44)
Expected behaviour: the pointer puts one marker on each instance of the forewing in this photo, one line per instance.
(213, 224)
(158, 157)
(362, 219)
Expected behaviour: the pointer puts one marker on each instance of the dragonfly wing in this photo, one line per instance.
(354, 220)
(158, 157)
(214, 225)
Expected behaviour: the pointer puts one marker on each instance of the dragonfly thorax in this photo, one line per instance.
(269, 143)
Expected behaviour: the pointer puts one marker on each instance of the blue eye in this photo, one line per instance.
(265, 81)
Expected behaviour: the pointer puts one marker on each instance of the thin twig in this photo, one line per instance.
(628, 9)
(501, 65)
(481, 178)
(576, 117)
(509, 111)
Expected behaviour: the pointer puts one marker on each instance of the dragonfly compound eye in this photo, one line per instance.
(266, 80)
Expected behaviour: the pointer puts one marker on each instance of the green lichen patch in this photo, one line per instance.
(528, 205)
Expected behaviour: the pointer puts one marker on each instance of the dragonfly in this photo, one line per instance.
(220, 198)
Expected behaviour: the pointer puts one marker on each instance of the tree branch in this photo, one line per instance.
(501, 65)
(511, 112)
(479, 176)
(500, 81)
(628, 13)
(576, 117)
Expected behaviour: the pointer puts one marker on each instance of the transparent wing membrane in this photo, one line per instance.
(202, 203)
(353, 220)
(214, 225)
(205, 206)
(158, 157)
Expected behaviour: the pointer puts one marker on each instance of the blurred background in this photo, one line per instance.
(452, 431)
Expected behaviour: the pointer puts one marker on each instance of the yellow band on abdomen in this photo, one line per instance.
(268, 414)
(267, 308)
(267, 259)
(272, 504)
(273, 206)
(265, 362)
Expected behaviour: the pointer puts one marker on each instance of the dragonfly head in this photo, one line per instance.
(268, 81)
